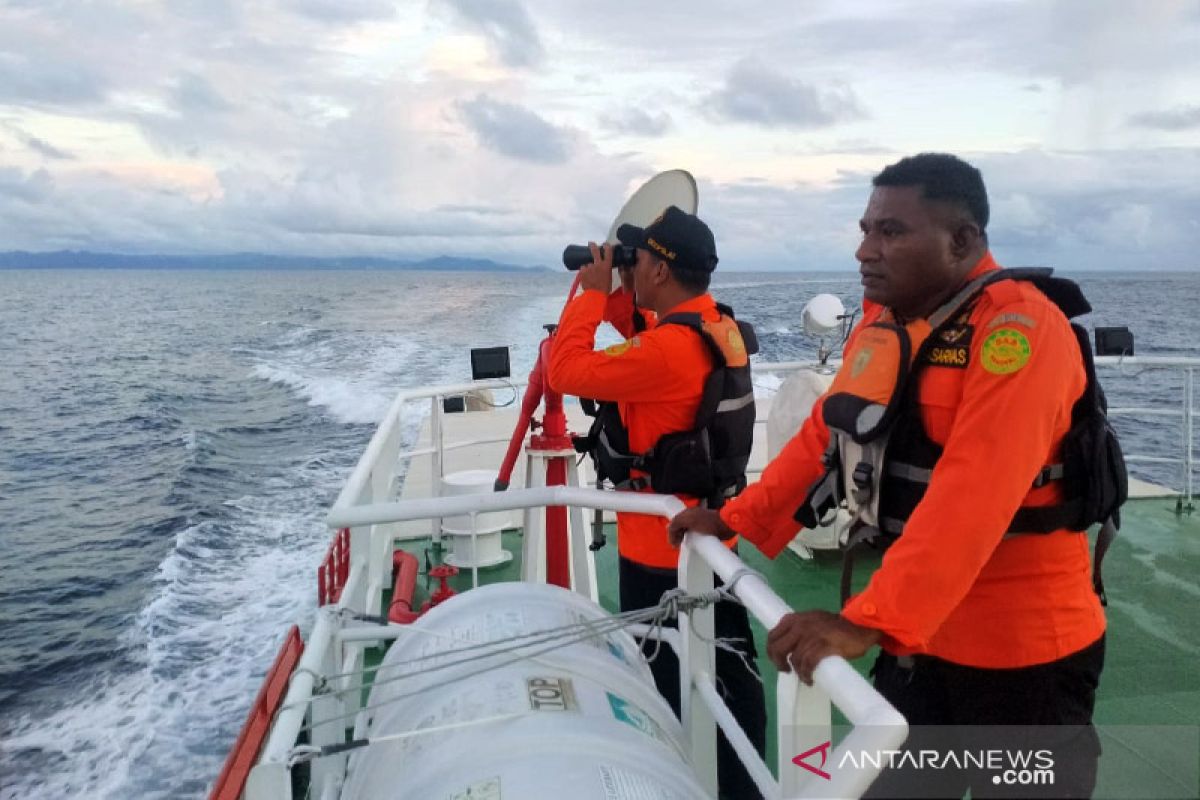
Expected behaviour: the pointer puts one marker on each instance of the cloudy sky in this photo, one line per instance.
(508, 128)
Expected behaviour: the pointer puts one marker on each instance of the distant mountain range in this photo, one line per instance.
(82, 259)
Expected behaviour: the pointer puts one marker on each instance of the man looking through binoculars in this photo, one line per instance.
(659, 393)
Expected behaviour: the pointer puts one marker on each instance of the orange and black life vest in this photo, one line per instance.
(880, 458)
(709, 460)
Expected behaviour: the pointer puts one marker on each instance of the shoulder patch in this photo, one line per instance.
(620, 349)
(951, 346)
(1005, 351)
(1016, 319)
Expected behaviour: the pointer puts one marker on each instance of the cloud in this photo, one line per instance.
(33, 188)
(1125, 209)
(506, 25)
(38, 82)
(194, 94)
(344, 11)
(637, 122)
(756, 94)
(1181, 118)
(38, 145)
(308, 131)
(515, 131)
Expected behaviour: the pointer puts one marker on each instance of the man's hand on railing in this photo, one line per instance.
(697, 520)
(802, 639)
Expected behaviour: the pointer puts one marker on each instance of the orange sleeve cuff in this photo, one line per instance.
(863, 611)
(770, 540)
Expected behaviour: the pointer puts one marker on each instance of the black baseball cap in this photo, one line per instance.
(677, 237)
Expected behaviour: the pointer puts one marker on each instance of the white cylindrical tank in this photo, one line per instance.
(483, 549)
(582, 721)
(792, 404)
(790, 407)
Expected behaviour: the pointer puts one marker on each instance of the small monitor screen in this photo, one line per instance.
(1114, 342)
(489, 362)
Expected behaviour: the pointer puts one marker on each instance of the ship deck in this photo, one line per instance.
(1148, 706)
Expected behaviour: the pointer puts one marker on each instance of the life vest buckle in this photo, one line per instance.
(829, 459)
(863, 473)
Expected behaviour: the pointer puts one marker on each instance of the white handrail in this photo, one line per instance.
(361, 475)
(353, 492)
(878, 726)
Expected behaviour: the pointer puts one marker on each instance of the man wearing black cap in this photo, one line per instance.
(653, 384)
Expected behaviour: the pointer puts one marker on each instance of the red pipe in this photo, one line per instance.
(554, 423)
(554, 437)
(533, 396)
(405, 566)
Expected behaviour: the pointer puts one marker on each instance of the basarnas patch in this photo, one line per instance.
(1005, 351)
(951, 346)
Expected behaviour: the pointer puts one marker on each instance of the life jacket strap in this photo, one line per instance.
(1050, 472)
(861, 537)
(824, 495)
(1044, 519)
(1108, 532)
(909, 472)
(863, 479)
(633, 485)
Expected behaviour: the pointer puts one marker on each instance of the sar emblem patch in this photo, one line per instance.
(959, 334)
(619, 349)
(1005, 351)
(860, 362)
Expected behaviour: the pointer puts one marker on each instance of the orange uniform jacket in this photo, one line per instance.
(656, 377)
(953, 586)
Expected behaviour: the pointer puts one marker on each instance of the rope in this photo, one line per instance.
(304, 753)
(670, 605)
(593, 627)
(554, 638)
(677, 599)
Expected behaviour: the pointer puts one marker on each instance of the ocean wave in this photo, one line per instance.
(348, 400)
(220, 606)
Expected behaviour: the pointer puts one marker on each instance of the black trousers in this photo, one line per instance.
(641, 587)
(1044, 709)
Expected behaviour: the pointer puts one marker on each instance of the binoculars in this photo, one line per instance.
(578, 255)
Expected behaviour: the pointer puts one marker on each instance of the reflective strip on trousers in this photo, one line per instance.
(735, 404)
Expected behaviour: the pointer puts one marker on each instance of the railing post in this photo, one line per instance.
(329, 706)
(435, 473)
(697, 656)
(1188, 463)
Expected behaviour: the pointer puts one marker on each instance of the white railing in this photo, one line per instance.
(800, 708)
(374, 477)
(1185, 411)
(375, 480)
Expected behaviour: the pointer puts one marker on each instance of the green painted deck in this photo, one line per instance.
(1148, 707)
